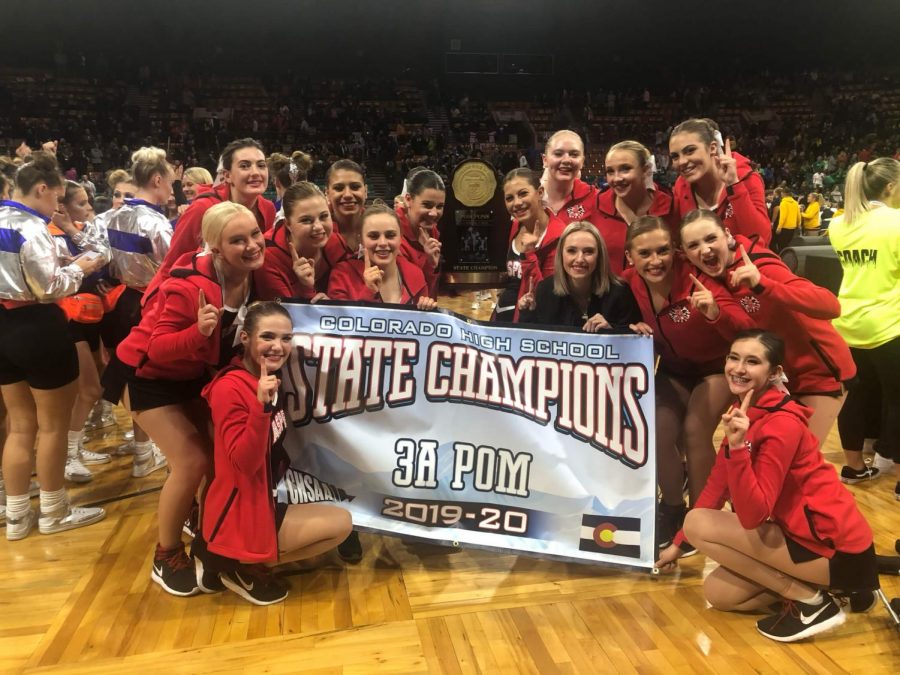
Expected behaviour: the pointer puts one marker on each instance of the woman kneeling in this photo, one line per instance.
(795, 532)
(242, 522)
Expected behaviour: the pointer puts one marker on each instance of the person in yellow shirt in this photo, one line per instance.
(811, 215)
(867, 241)
(788, 220)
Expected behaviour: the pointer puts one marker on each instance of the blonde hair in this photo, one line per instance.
(216, 218)
(117, 176)
(198, 175)
(603, 277)
(866, 181)
(560, 133)
(643, 154)
(146, 163)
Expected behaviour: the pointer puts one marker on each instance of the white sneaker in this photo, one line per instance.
(126, 448)
(20, 527)
(154, 461)
(89, 457)
(883, 464)
(77, 472)
(68, 517)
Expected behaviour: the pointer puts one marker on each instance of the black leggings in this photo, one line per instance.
(876, 370)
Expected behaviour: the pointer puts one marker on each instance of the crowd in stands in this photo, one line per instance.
(803, 129)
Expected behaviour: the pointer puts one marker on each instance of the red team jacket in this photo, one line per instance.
(166, 344)
(238, 509)
(744, 208)
(613, 227)
(413, 251)
(784, 478)
(817, 360)
(187, 230)
(581, 204)
(346, 282)
(539, 262)
(687, 342)
(276, 278)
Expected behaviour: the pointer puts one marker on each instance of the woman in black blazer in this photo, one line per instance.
(583, 291)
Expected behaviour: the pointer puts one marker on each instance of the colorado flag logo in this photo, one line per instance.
(611, 535)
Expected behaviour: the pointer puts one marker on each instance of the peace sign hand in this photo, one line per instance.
(747, 274)
(372, 274)
(726, 165)
(736, 423)
(304, 268)
(527, 302)
(207, 316)
(703, 299)
(268, 385)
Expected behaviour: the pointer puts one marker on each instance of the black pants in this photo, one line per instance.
(876, 370)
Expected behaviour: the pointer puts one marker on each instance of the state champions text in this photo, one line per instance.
(596, 403)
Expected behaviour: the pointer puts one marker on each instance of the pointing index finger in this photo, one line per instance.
(728, 147)
(745, 257)
(202, 298)
(745, 404)
(697, 283)
(530, 284)
(263, 370)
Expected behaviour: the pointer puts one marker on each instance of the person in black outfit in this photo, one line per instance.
(583, 292)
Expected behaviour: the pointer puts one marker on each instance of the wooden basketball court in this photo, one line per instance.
(83, 602)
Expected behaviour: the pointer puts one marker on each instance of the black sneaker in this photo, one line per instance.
(862, 601)
(852, 476)
(350, 550)
(254, 583)
(208, 566)
(798, 620)
(669, 520)
(174, 571)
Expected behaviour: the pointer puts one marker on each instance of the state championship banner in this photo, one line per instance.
(429, 425)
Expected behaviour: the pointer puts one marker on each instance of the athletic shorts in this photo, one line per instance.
(144, 393)
(35, 347)
(85, 332)
(117, 324)
(848, 572)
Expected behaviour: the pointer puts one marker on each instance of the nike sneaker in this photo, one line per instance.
(174, 571)
(799, 620)
(254, 583)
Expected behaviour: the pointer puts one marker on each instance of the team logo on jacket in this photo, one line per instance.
(576, 212)
(750, 304)
(729, 212)
(679, 314)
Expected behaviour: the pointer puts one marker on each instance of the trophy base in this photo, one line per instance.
(473, 278)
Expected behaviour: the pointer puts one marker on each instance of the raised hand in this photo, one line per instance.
(747, 274)
(526, 302)
(595, 324)
(304, 268)
(528, 241)
(726, 165)
(62, 221)
(736, 423)
(703, 299)
(268, 385)
(207, 316)
(23, 150)
(432, 248)
(372, 274)
(50, 147)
